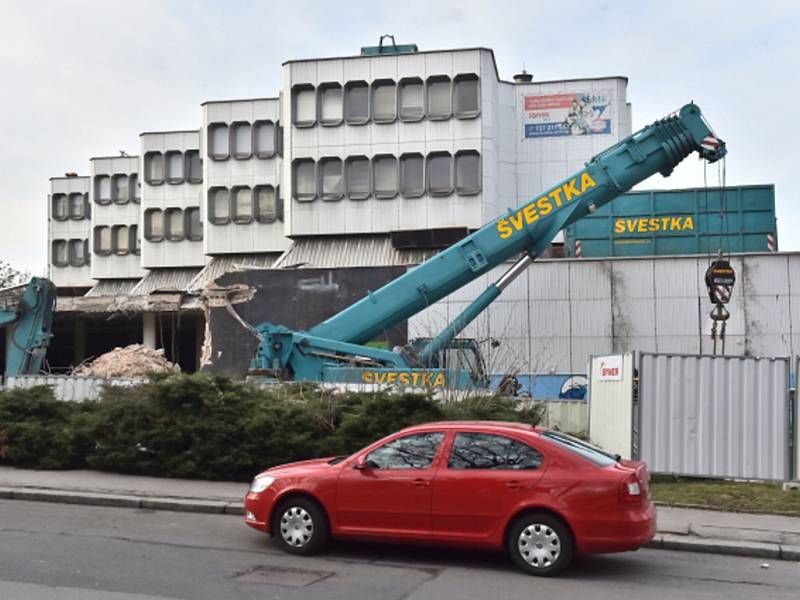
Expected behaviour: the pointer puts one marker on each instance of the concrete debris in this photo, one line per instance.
(131, 361)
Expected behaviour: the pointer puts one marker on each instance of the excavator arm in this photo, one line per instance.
(333, 350)
(28, 324)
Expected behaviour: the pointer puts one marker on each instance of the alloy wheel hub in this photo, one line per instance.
(297, 526)
(539, 545)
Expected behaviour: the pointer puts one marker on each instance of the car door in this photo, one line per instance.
(484, 478)
(387, 492)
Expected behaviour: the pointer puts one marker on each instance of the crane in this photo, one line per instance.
(27, 313)
(335, 351)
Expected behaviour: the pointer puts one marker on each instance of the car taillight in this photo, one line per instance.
(630, 490)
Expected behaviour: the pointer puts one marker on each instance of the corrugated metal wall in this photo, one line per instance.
(560, 312)
(714, 416)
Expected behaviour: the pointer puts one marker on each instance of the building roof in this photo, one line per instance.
(165, 280)
(112, 287)
(331, 252)
(219, 265)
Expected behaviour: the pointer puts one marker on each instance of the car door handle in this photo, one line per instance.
(514, 485)
(421, 482)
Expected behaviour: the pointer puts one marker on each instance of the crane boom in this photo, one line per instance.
(336, 343)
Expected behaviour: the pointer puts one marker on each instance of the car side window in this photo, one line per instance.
(488, 451)
(410, 452)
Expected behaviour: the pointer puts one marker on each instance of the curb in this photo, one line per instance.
(662, 541)
(192, 505)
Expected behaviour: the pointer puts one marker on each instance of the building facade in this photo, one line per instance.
(69, 230)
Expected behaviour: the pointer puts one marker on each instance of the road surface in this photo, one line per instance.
(65, 552)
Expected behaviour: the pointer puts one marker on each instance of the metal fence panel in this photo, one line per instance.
(69, 388)
(715, 416)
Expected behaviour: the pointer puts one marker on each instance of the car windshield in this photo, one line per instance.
(591, 453)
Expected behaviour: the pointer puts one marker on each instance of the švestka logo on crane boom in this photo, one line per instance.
(544, 205)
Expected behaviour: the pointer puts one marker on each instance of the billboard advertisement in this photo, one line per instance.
(568, 114)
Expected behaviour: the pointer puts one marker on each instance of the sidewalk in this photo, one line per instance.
(688, 530)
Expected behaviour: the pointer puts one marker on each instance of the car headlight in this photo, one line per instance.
(261, 483)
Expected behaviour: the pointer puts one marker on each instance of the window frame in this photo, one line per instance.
(257, 152)
(346, 182)
(133, 240)
(84, 206)
(297, 89)
(187, 224)
(210, 130)
(168, 233)
(296, 163)
(148, 168)
(187, 166)
(382, 195)
(134, 189)
(97, 234)
(321, 193)
(125, 198)
(350, 85)
(439, 193)
(98, 179)
(120, 249)
(321, 89)
(54, 201)
(257, 203)
(232, 145)
(472, 114)
(428, 95)
(148, 225)
(71, 255)
(401, 171)
(54, 253)
(235, 190)
(468, 191)
(404, 81)
(381, 83)
(168, 172)
(504, 467)
(436, 452)
(211, 202)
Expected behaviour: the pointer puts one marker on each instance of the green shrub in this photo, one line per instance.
(36, 430)
(210, 427)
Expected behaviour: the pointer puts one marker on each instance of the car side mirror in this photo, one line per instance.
(365, 465)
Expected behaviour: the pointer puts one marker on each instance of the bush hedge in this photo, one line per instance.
(210, 427)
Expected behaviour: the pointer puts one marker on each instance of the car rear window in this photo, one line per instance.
(591, 453)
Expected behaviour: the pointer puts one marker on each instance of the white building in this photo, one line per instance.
(172, 192)
(115, 196)
(69, 227)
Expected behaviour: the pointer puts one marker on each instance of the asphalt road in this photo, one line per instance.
(50, 551)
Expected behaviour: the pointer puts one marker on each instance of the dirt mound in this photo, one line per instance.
(131, 361)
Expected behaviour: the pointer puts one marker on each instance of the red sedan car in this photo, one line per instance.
(542, 495)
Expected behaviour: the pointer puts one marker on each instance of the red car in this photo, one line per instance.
(542, 495)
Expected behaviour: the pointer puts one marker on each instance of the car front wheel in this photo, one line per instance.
(540, 544)
(301, 526)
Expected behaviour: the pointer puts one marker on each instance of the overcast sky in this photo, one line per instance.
(84, 78)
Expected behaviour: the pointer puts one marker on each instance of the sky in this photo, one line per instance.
(83, 78)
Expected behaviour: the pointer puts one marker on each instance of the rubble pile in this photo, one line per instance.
(131, 361)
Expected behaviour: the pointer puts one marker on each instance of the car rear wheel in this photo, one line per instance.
(301, 526)
(540, 544)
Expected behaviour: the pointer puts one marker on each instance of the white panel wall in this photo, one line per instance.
(71, 228)
(560, 312)
(229, 172)
(396, 138)
(167, 195)
(114, 266)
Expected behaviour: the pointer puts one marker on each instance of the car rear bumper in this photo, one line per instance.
(630, 529)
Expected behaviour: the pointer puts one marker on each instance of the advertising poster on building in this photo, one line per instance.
(568, 114)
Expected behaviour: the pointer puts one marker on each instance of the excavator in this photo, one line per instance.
(335, 350)
(26, 314)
